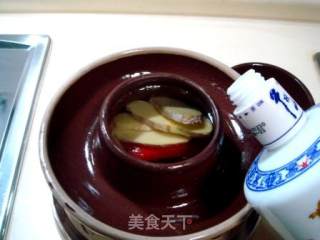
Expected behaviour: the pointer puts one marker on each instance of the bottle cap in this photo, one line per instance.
(265, 108)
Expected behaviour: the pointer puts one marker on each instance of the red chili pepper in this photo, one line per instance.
(155, 153)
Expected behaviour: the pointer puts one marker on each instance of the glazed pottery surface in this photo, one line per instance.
(171, 187)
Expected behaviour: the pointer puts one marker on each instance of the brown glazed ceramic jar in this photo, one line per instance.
(167, 187)
(97, 186)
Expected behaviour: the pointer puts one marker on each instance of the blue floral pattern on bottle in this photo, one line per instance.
(258, 180)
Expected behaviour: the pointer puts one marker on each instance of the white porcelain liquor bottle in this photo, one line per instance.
(283, 183)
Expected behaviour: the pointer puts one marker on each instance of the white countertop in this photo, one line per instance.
(79, 39)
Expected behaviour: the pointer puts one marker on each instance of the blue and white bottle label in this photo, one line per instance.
(273, 116)
(259, 180)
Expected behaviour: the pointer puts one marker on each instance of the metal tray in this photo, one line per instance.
(21, 62)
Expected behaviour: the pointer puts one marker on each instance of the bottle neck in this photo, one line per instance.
(266, 109)
(290, 134)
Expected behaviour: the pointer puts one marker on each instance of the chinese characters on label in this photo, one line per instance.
(153, 222)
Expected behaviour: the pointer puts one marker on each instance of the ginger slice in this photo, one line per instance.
(155, 138)
(145, 112)
(177, 110)
(127, 121)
